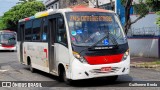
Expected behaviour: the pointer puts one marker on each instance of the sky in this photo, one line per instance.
(5, 5)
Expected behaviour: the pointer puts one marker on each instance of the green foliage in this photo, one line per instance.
(158, 19)
(140, 10)
(123, 2)
(2, 25)
(20, 11)
(153, 4)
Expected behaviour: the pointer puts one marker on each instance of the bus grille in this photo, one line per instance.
(107, 59)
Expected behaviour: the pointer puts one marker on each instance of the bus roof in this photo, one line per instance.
(88, 9)
(73, 9)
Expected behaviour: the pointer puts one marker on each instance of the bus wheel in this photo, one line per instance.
(66, 80)
(63, 78)
(30, 66)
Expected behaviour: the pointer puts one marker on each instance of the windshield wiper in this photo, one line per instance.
(107, 35)
(112, 39)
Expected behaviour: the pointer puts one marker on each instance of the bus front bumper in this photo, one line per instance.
(86, 71)
(11, 48)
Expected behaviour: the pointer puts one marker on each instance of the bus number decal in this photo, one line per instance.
(91, 18)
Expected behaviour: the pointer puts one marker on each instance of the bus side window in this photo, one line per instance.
(28, 30)
(61, 32)
(45, 31)
(36, 30)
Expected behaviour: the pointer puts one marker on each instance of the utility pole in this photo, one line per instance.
(97, 5)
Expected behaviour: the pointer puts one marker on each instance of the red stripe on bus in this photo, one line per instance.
(108, 59)
(45, 50)
(26, 19)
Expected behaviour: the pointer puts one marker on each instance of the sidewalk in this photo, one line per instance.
(143, 62)
(142, 59)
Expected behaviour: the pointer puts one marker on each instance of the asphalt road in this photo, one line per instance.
(12, 70)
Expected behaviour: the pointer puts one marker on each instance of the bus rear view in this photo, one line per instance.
(99, 45)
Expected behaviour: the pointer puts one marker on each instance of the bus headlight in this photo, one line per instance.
(125, 55)
(79, 57)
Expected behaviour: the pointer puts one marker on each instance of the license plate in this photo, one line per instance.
(106, 69)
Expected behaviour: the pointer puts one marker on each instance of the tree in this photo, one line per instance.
(140, 8)
(154, 5)
(158, 19)
(2, 25)
(20, 11)
(25, 1)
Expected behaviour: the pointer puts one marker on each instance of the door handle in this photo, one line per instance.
(52, 45)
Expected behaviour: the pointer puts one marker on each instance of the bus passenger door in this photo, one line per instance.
(59, 52)
(52, 29)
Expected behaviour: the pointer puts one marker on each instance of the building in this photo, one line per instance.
(105, 4)
(147, 28)
(114, 5)
(144, 35)
(56, 4)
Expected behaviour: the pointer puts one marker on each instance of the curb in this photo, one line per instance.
(144, 66)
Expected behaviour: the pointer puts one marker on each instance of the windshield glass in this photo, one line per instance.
(8, 38)
(86, 28)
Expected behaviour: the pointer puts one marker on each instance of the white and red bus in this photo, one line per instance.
(74, 43)
(8, 40)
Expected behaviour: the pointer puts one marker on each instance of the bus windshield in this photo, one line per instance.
(87, 28)
(8, 38)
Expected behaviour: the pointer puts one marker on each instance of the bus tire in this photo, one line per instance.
(63, 78)
(31, 68)
(30, 65)
(66, 80)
